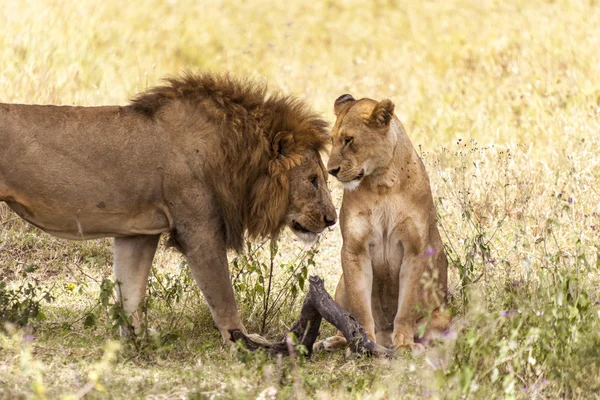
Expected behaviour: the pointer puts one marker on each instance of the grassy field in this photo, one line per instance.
(502, 100)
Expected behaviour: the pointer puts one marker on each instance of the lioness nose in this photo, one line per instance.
(335, 171)
(329, 221)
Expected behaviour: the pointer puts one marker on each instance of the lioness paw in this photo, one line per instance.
(330, 344)
(402, 341)
(415, 348)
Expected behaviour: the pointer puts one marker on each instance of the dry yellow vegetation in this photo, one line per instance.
(501, 98)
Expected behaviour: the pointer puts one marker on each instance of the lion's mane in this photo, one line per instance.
(248, 171)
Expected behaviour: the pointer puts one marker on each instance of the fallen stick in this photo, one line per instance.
(306, 329)
(318, 304)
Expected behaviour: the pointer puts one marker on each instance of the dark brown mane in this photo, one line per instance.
(247, 174)
(224, 89)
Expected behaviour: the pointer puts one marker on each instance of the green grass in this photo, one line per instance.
(501, 98)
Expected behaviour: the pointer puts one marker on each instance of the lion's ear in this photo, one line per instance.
(382, 114)
(340, 101)
(283, 144)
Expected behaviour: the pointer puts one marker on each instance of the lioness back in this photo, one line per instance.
(394, 266)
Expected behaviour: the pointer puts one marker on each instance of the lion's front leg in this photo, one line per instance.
(208, 264)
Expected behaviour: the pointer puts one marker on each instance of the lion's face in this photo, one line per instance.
(363, 143)
(310, 208)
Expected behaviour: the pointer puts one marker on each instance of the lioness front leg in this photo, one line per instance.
(132, 259)
(358, 286)
(409, 296)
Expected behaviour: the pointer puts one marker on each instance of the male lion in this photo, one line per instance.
(206, 158)
(394, 267)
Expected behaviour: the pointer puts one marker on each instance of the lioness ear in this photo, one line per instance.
(340, 101)
(382, 114)
(283, 143)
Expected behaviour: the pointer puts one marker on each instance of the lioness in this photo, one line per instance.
(206, 158)
(394, 267)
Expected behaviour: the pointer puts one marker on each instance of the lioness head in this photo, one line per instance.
(363, 143)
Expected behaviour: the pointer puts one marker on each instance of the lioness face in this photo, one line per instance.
(310, 208)
(363, 143)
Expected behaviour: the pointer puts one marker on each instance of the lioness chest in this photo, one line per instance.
(385, 226)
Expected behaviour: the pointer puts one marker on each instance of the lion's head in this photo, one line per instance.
(265, 167)
(363, 143)
(310, 209)
(293, 191)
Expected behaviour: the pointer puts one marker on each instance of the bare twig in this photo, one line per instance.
(317, 305)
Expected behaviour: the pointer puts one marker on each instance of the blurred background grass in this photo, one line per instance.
(474, 69)
(502, 99)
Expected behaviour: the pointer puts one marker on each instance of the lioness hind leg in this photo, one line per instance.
(133, 257)
(440, 320)
(437, 323)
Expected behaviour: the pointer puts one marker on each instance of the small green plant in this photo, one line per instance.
(22, 303)
(268, 290)
(107, 302)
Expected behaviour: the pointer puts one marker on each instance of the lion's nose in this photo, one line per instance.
(329, 221)
(335, 171)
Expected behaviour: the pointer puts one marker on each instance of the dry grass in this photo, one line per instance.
(502, 98)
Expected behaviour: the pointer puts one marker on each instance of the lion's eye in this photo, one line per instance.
(314, 181)
(348, 140)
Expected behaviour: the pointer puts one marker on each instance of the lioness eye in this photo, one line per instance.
(314, 181)
(348, 140)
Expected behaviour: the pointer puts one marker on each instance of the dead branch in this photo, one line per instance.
(318, 304)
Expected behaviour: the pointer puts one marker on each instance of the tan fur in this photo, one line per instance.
(207, 158)
(394, 266)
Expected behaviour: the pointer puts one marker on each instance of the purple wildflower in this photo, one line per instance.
(508, 313)
(28, 338)
(450, 334)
